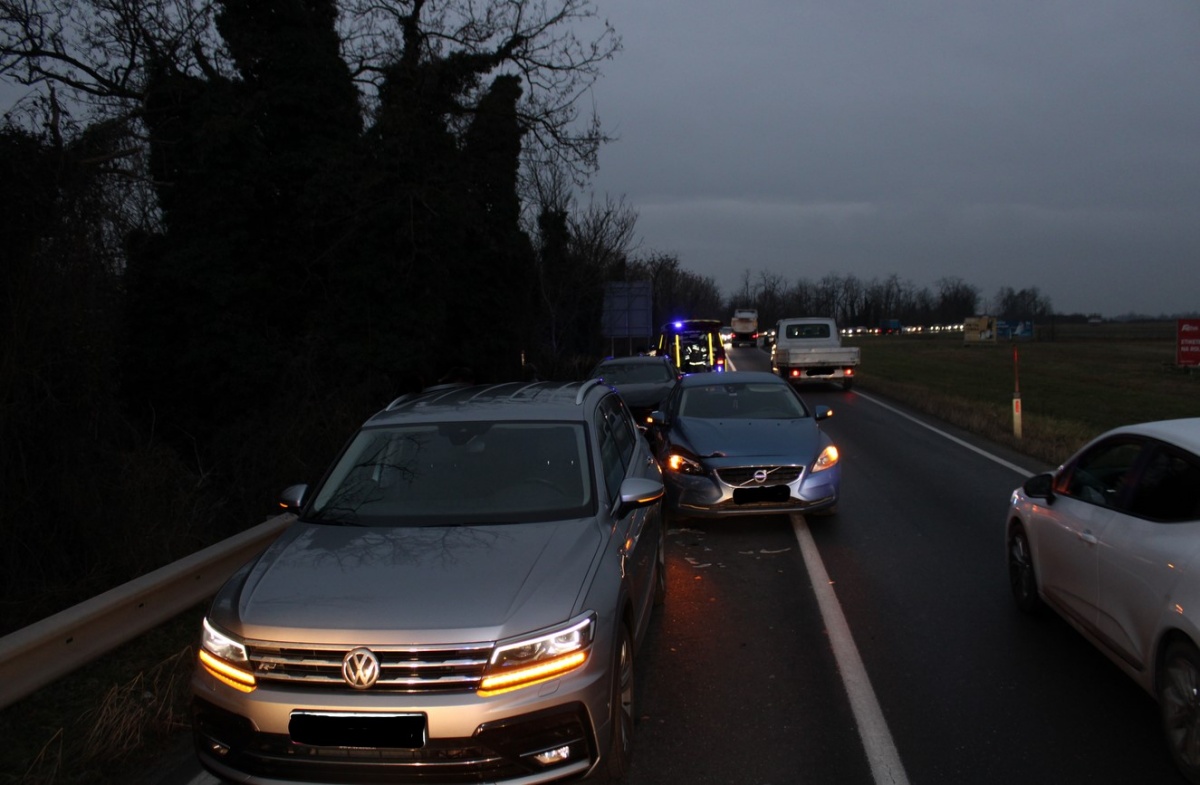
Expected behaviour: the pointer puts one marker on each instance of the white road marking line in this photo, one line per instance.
(882, 756)
(955, 439)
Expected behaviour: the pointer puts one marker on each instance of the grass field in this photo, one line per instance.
(1075, 381)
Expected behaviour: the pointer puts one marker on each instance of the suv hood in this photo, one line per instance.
(389, 585)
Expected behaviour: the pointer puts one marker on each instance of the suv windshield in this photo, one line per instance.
(459, 472)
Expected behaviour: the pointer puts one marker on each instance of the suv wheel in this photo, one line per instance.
(620, 748)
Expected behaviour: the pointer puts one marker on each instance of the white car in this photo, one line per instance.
(1111, 542)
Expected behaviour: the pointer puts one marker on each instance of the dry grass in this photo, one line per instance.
(129, 719)
(140, 711)
(107, 723)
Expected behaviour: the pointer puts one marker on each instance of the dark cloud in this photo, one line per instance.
(1010, 143)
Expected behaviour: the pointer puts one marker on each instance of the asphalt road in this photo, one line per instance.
(890, 652)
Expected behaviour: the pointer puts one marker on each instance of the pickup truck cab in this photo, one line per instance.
(809, 349)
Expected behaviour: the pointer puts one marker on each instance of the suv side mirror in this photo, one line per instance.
(637, 492)
(293, 497)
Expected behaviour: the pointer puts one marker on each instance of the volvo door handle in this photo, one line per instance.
(1089, 538)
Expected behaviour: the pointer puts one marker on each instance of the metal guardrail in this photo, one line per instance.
(34, 656)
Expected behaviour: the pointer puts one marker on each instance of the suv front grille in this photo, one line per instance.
(451, 668)
(743, 476)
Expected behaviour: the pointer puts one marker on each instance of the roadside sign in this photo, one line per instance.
(1014, 331)
(1187, 342)
(626, 311)
(979, 329)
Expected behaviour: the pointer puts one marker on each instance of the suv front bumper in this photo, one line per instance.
(505, 751)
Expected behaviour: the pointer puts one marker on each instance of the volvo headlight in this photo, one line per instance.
(826, 460)
(683, 464)
(224, 658)
(538, 658)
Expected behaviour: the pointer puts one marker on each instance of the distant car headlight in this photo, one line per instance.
(683, 464)
(225, 658)
(826, 460)
(538, 658)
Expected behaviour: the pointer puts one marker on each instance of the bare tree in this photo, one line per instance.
(769, 294)
(1024, 305)
(602, 235)
(534, 39)
(102, 52)
(745, 296)
(956, 300)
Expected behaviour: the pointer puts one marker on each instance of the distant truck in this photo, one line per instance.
(745, 327)
(810, 349)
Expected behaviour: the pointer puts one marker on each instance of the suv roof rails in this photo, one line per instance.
(583, 389)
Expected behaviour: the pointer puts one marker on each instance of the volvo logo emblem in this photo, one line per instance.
(760, 475)
(360, 668)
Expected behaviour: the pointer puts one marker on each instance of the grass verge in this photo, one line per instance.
(1071, 388)
(109, 722)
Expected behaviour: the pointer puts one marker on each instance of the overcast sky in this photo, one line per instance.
(1047, 143)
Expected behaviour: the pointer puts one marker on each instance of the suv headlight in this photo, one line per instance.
(538, 658)
(224, 658)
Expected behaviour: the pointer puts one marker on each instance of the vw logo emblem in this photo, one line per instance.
(760, 475)
(360, 668)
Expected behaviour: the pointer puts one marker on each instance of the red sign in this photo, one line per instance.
(1187, 342)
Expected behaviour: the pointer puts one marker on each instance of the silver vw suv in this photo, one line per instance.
(459, 600)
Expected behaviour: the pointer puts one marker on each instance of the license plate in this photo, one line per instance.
(348, 729)
(773, 493)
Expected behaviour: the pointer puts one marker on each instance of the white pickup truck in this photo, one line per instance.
(810, 350)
